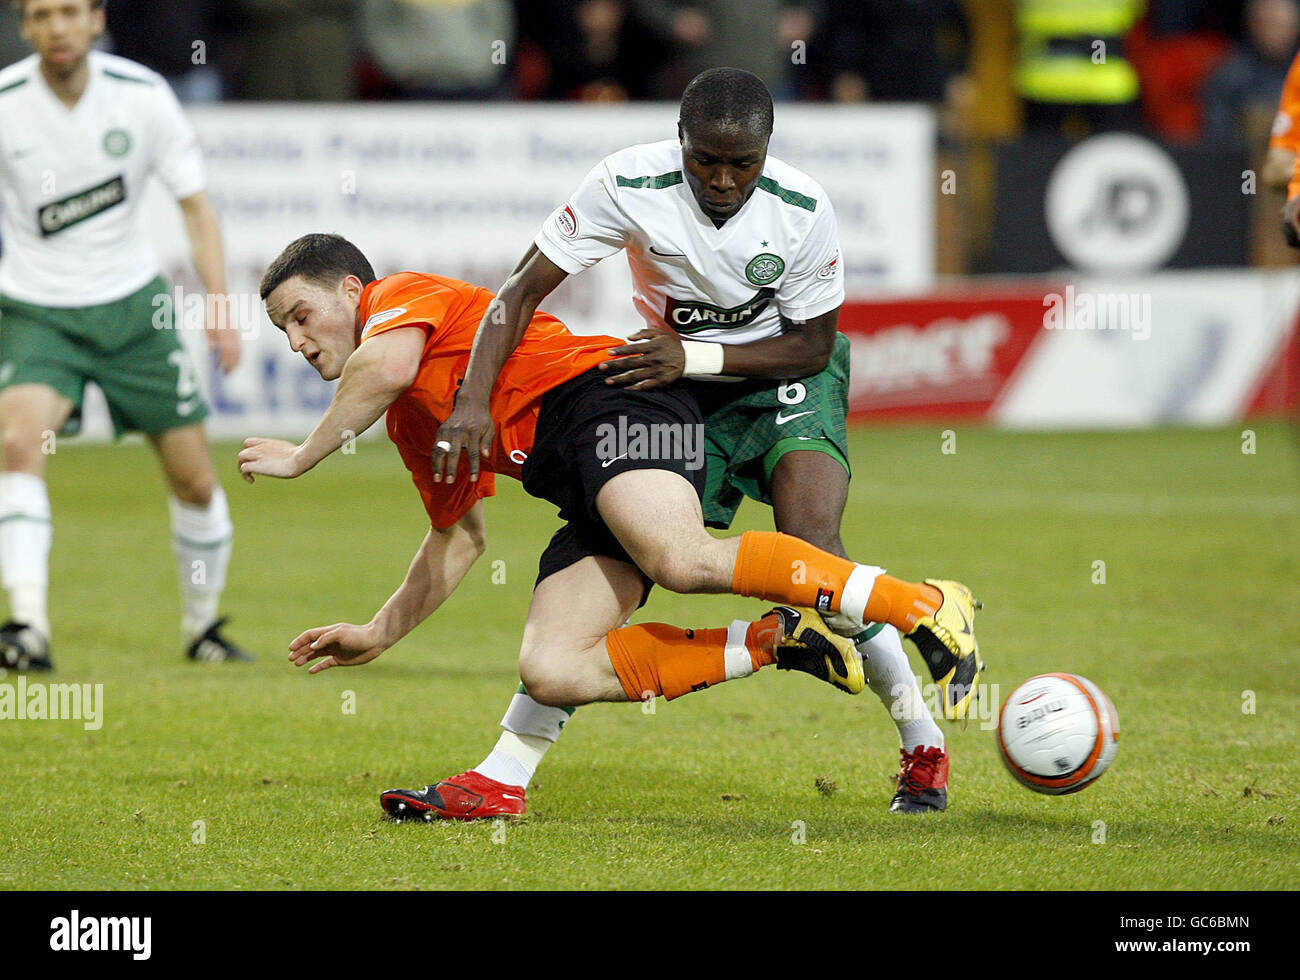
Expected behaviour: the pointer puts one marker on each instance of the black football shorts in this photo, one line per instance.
(589, 432)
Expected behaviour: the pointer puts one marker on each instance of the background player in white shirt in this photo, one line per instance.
(80, 133)
(736, 272)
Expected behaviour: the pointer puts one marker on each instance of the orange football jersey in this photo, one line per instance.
(449, 311)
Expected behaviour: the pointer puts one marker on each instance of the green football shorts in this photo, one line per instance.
(750, 425)
(147, 378)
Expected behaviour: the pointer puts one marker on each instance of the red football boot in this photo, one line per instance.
(469, 796)
(923, 781)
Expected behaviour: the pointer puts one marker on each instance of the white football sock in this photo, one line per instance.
(25, 536)
(530, 731)
(737, 660)
(202, 538)
(514, 759)
(890, 677)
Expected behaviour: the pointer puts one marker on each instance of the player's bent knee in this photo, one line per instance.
(561, 674)
(546, 681)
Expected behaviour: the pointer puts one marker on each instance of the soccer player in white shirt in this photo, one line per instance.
(80, 133)
(736, 271)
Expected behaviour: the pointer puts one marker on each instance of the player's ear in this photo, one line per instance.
(351, 287)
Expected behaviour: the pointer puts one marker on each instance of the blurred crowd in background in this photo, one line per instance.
(1182, 69)
(1002, 75)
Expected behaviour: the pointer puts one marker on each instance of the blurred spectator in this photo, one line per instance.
(756, 35)
(1072, 73)
(177, 40)
(1174, 55)
(440, 49)
(1250, 79)
(892, 50)
(594, 50)
(298, 50)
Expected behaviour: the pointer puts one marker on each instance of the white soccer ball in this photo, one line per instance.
(1057, 733)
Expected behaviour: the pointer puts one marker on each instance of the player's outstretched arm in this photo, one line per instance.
(374, 375)
(469, 428)
(437, 568)
(654, 357)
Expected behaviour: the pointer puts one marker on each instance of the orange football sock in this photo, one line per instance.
(782, 568)
(761, 638)
(654, 658)
(900, 603)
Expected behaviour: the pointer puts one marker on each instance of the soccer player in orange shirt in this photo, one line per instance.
(616, 461)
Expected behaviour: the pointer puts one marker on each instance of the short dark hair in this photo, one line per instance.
(730, 96)
(321, 258)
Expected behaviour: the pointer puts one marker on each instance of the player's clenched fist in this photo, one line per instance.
(340, 645)
(270, 457)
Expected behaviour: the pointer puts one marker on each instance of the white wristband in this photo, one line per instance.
(702, 358)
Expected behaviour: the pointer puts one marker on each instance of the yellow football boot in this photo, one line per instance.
(947, 643)
(808, 644)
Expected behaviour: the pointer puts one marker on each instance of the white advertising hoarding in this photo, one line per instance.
(1172, 348)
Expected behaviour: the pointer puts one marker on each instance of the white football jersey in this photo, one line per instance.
(71, 180)
(778, 255)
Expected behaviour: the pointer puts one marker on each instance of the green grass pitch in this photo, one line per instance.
(253, 776)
